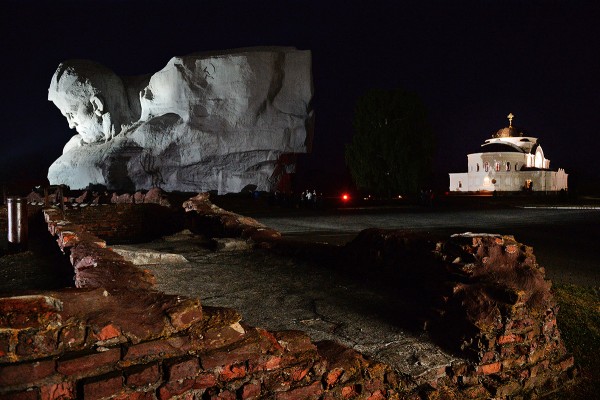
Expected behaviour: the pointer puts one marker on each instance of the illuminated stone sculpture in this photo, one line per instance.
(509, 162)
(220, 121)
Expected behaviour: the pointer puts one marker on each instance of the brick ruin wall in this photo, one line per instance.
(114, 336)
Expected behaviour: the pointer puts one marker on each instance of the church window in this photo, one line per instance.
(508, 166)
(477, 167)
(497, 166)
(486, 166)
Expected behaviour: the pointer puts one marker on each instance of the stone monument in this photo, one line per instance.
(220, 121)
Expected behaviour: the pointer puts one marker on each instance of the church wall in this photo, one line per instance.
(562, 179)
(516, 160)
(459, 182)
(504, 174)
(511, 181)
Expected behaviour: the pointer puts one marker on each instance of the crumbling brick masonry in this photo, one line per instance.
(114, 336)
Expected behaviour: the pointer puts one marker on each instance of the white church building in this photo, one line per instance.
(509, 162)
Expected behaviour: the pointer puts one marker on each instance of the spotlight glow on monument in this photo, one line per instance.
(220, 121)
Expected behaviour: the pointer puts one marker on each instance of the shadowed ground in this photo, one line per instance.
(279, 293)
(564, 240)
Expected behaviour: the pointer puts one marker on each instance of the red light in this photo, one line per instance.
(345, 197)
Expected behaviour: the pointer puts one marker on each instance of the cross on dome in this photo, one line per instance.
(510, 118)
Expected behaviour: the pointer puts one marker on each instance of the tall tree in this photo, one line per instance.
(392, 147)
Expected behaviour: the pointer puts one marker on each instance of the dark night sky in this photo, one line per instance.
(472, 62)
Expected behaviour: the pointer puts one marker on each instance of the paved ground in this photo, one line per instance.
(565, 241)
(279, 293)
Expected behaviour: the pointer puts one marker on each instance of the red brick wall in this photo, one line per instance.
(484, 297)
(116, 337)
(119, 223)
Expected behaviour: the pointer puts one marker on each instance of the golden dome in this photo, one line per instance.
(509, 131)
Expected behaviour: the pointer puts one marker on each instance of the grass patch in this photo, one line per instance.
(579, 324)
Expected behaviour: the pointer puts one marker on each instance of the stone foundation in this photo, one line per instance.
(114, 336)
(483, 297)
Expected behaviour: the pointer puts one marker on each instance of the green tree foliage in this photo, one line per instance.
(392, 147)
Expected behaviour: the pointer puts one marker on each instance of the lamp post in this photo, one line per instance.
(17, 223)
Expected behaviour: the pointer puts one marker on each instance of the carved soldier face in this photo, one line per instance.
(83, 113)
(92, 98)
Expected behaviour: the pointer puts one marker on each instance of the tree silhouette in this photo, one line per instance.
(392, 147)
